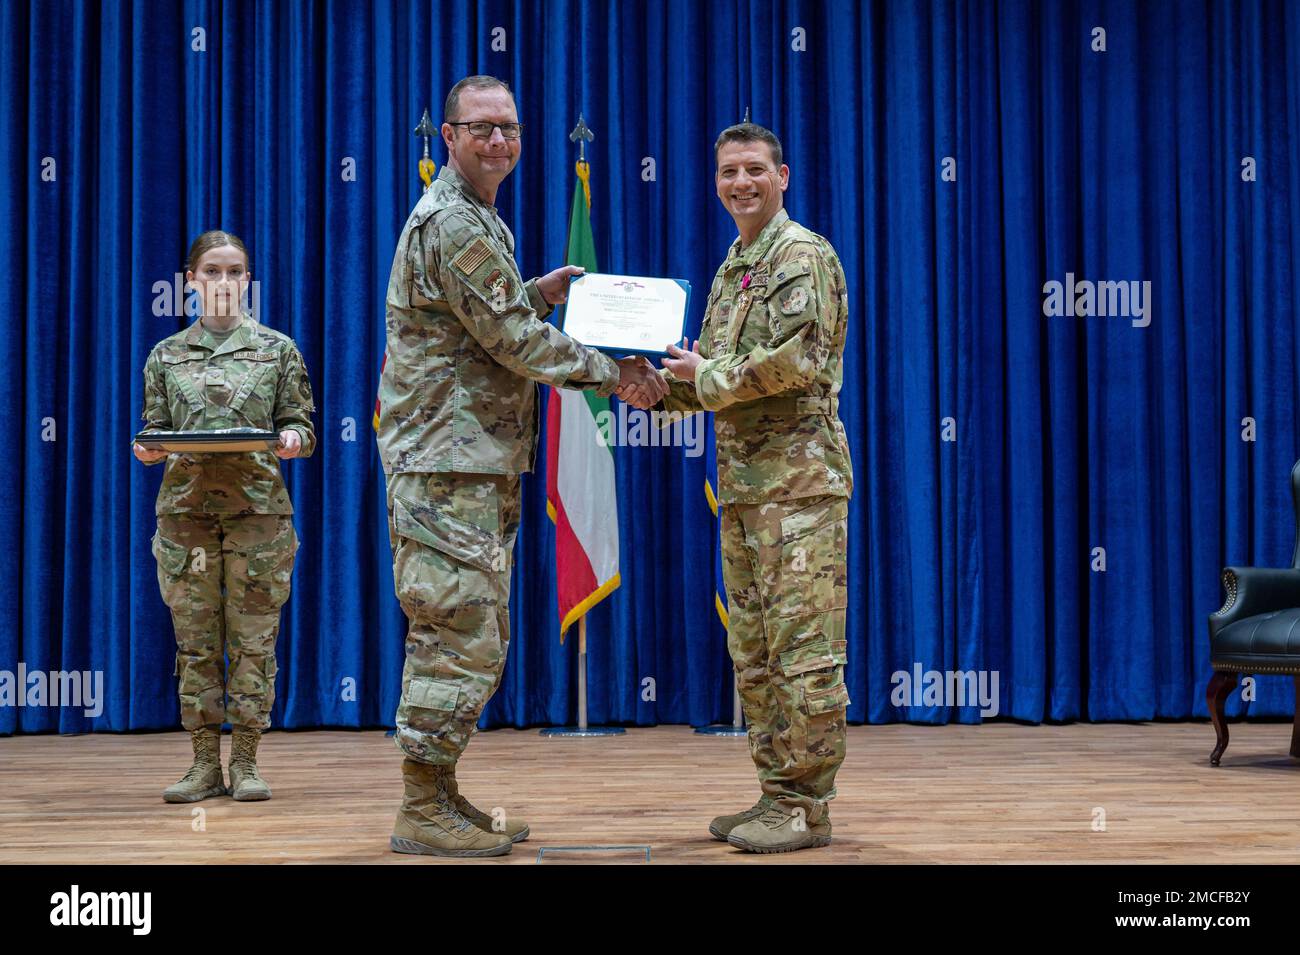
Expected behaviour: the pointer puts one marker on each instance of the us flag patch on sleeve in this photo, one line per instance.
(472, 256)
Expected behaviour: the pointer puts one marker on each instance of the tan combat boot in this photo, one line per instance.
(204, 776)
(721, 827)
(780, 830)
(245, 783)
(429, 824)
(516, 829)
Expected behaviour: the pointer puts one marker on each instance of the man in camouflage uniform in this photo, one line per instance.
(769, 363)
(457, 426)
(225, 543)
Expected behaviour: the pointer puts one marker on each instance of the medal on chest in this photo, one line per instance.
(752, 286)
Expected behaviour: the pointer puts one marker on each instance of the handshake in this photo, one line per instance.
(641, 385)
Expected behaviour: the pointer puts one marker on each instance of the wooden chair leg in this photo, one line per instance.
(1221, 684)
(1295, 723)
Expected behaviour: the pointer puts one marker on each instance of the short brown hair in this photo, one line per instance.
(214, 239)
(451, 108)
(750, 133)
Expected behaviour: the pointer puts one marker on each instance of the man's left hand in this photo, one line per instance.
(683, 363)
(554, 286)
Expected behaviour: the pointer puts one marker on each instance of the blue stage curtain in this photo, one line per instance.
(1071, 434)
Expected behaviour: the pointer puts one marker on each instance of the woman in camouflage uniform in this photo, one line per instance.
(225, 543)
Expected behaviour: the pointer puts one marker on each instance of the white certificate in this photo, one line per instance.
(627, 314)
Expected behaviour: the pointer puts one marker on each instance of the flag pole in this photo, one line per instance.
(584, 727)
(581, 135)
(426, 167)
(737, 727)
(582, 673)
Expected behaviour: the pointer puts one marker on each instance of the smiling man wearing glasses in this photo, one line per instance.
(466, 343)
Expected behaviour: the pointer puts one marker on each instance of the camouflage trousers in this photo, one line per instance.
(453, 536)
(225, 578)
(785, 569)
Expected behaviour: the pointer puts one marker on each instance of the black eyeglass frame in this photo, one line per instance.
(495, 126)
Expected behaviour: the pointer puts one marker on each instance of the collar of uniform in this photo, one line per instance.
(241, 337)
(757, 249)
(453, 178)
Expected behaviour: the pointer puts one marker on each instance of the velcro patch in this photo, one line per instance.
(795, 302)
(500, 289)
(472, 256)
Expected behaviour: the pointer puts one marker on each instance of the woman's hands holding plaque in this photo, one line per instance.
(290, 444)
(146, 455)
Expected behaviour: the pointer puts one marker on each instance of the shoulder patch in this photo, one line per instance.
(500, 289)
(795, 302)
(472, 256)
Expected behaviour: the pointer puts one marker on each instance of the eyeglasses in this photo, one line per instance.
(483, 130)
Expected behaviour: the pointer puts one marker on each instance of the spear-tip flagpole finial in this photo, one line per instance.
(581, 135)
(746, 119)
(426, 165)
(425, 129)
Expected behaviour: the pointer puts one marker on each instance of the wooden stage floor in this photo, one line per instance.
(907, 794)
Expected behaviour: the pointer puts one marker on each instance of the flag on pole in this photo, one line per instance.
(710, 479)
(580, 492)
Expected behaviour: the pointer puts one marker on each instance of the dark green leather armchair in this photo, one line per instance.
(1257, 630)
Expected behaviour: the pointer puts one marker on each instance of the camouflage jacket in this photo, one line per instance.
(773, 342)
(466, 342)
(254, 379)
